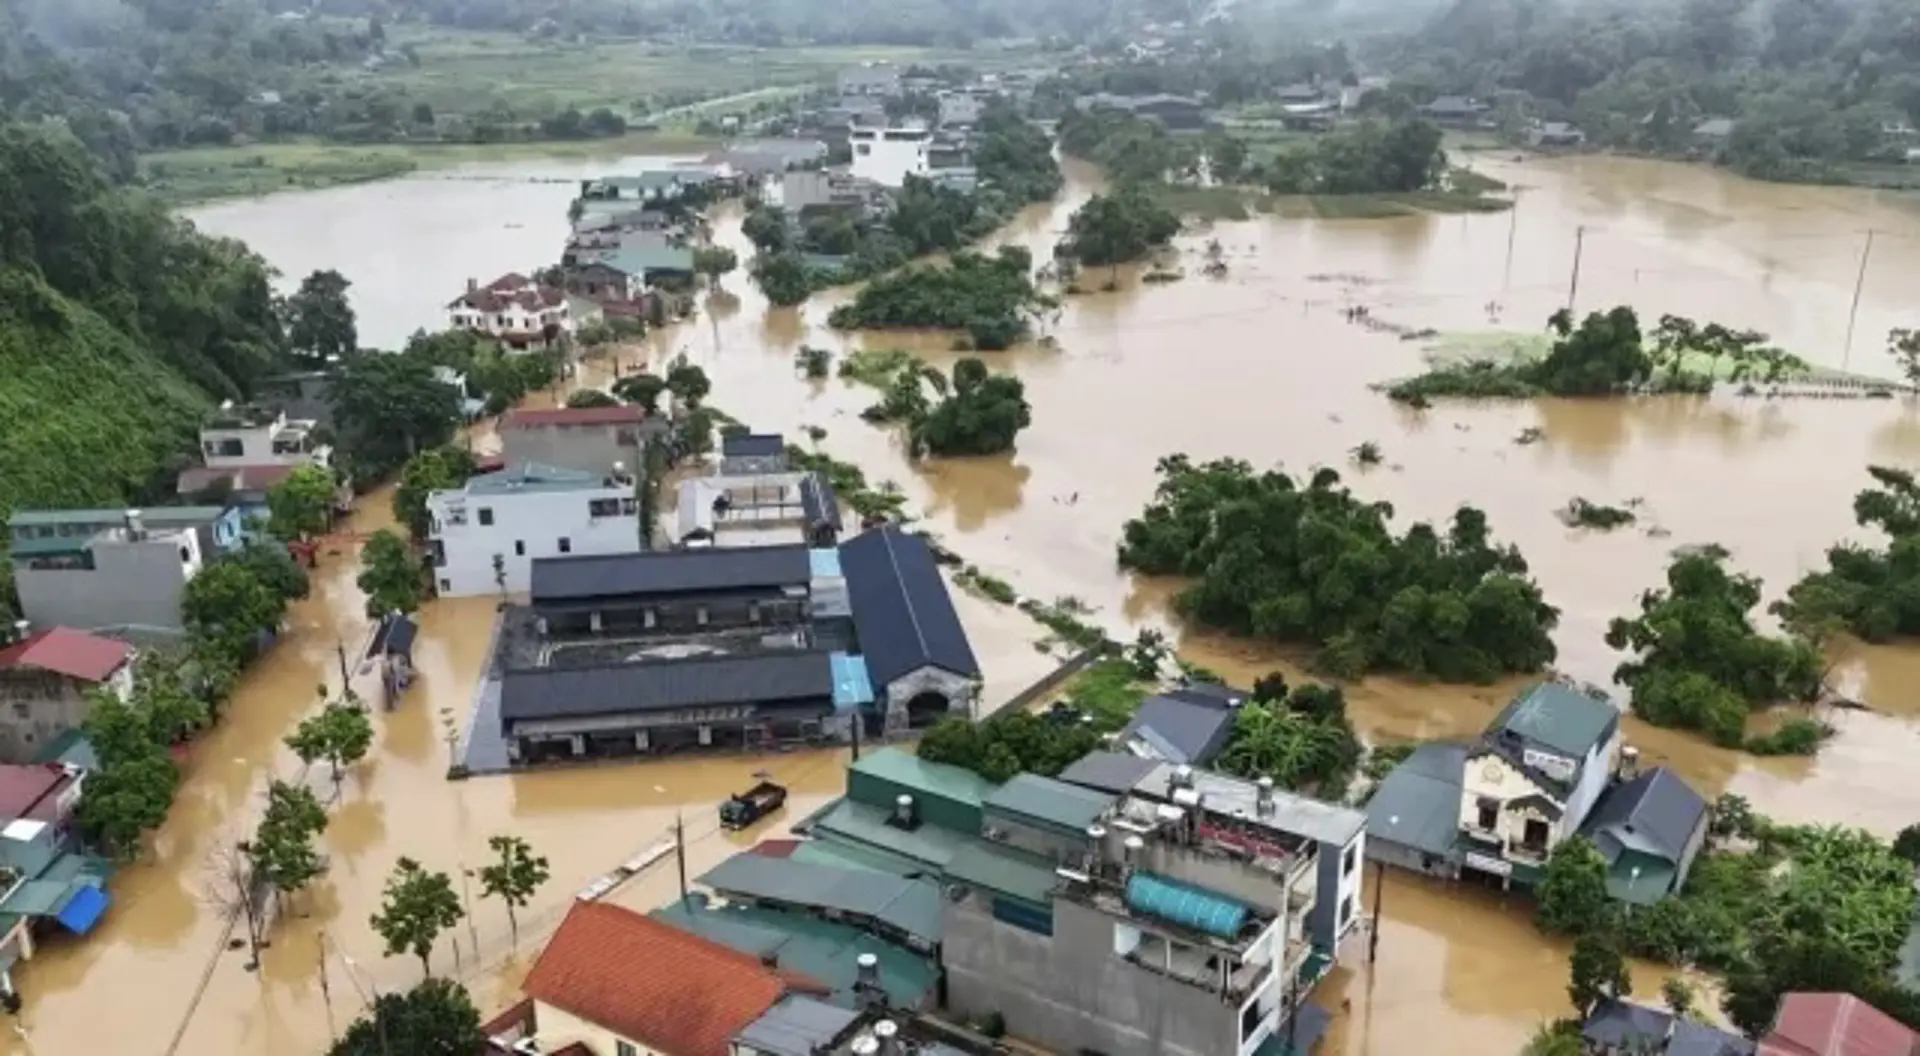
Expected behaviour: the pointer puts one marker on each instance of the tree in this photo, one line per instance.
(390, 575)
(1597, 972)
(301, 504)
(1301, 739)
(1678, 996)
(282, 850)
(766, 228)
(1906, 845)
(1148, 651)
(435, 469)
(591, 398)
(389, 408)
(1872, 593)
(1113, 229)
(227, 602)
(687, 381)
(989, 297)
(230, 887)
(713, 262)
(641, 390)
(339, 733)
(127, 799)
(435, 1018)
(1904, 347)
(981, 414)
(1554, 1041)
(416, 906)
(1732, 816)
(514, 875)
(783, 277)
(1572, 897)
(319, 321)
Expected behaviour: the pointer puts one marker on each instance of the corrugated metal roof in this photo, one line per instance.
(1115, 772)
(583, 576)
(1559, 717)
(1031, 797)
(901, 610)
(152, 516)
(1418, 803)
(1185, 905)
(851, 687)
(1655, 813)
(1195, 732)
(948, 796)
(1002, 870)
(866, 829)
(760, 678)
(65, 651)
(797, 1026)
(819, 503)
(753, 445)
(1835, 1025)
(910, 906)
(819, 949)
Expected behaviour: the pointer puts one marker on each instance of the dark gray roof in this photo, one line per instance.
(1031, 797)
(818, 502)
(797, 1026)
(394, 636)
(583, 576)
(901, 611)
(1213, 694)
(1181, 729)
(753, 445)
(762, 678)
(1418, 803)
(910, 906)
(1558, 717)
(1655, 813)
(1114, 772)
(1623, 1025)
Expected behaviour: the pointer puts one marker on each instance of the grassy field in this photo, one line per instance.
(1378, 206)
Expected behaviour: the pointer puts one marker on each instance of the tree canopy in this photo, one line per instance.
(387, 408)
(435, 1018)
(1315, 565)
(980, 413)
(1872, 593)
(988, 297)
(1301, 738)
(1119, 227)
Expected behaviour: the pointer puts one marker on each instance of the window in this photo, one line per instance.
(1348, 860)
(625, 1048)
(1535, 835)
(486, 516)
(603, 507)
(1489, 814)
(519, 548)
(1346, 912)
(1249, 1021)
(566, 545)
(629, 507)
(23, 711)
(863, 149)
(186, 556)
(446, 585)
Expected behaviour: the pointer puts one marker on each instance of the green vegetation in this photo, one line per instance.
(1315, 565)
(1367, 454)
(435, 1018)
(1572, 897)
(1698, 662)
(237, 599)
(435, 469)
(1300, 738)
(1008, 743)
(391, 576)
(513, 876)
(1369, 157)
(976, 412)
(1873, 594)
(416, 906)
(1579, 513)
(872, 504)
(386, 408)
(989, 587)
(1108, 692)
(1063, 617)
(340, 732)
(281, 852)
(301, 504)
(988, 297)
(1116, 228)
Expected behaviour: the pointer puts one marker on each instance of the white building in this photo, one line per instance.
(887, 156)
(484, 537)
(515, 310)
(236, 437)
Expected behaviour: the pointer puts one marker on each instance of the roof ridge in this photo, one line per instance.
(887, 535)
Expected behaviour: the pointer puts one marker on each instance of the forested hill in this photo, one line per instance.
(119, 324)
(1808, 81)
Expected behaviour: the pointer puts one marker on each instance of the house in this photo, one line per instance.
(1713, 132)
(1300, 93)
(918, 659)
(753, 454)
(1413, 819)
(483, 537)
(961, 109)
(808, 191)
(758, 510)
(1189, 725)
(766, 157)
(888, 155)
(1175, 113)
(1834, 1025)
(679, 592)
(304, 395)
(40, 532)
(1623, 1028)
(45, 678)
(1649, 827)
(1454, 110)
(599, 984)
(595, 440)
(127, 579)
(808, 1026)
(652, 187)
(627, 267)
(521, 314)
(871, 79)
(1550, 134)
(1532, 779)
(247, 449)
(44, 878)
(904, 911)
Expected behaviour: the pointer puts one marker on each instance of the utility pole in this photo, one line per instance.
(466, 906)
(854, 722)
(1579, 246)
(341, 646)
(1513, 226)
(326, 991)
(1853, 310)
(1379, 889)
(680, 853)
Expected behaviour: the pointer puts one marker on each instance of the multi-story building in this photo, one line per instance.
(246, 449)
(521, 314)
(130, 578)
(749, 453)
(485, 536)
(597, 440)
(889, 155)
(765, 509)
(45, 681)
(39, 532)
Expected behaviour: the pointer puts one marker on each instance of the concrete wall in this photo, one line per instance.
(1337, 911)
(525, 525)
(1073, 991)
(888, 162)
(557, 1029)
(583, 448)
(133, 583)
(753, 465)
(51, 704)
(1401, 856)
(1596, 773)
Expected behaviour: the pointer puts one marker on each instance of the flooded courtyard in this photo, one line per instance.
(1262, 364)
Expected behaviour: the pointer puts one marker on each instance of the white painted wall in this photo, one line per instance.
(1598, 769)
(1492, 777)
(256, 445)
(560, 1028)
(524, 526)
(886, 161)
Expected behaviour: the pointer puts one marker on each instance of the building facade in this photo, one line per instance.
(918, 657)
(753, 453)
(592, 440)
(758, 510)
(40, 532)
(1533, 778)
(130, 577)
(483, 538)
(521, 314)
(45, 679)
(889, 155)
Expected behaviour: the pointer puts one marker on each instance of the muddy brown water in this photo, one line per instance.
(1261, 364)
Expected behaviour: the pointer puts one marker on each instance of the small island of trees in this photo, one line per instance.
(991, 298)
(1873, 594)
(1315, 565)
(977, 412)
(1117, 228)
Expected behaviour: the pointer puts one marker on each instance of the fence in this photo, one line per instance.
(1053, 680)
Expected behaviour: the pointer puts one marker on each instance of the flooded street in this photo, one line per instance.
(1262, 365)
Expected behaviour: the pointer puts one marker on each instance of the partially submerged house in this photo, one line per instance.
(1532, 779)
(1188, 725)
(45, 680)
(596, 440)
(1649, 827)
(765, 509)
(129, 578)
(247, 449)
(1555, 134)
(1413, 819)
(918, 658)
(521, 314)
(1624, 1028)
(1455, 110)
(484, 536)
(42, 532)
(753, 453)
(47, 884)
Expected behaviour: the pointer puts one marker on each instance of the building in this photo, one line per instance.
(483, 537)
(758, 510)
(622, 267)
(1649, 827)
(521, 314)
(918, 658)
(1454, 110)
(1175, 113)
(40, 532)
(1413, 819)
(753, 453)
(45, 678)
(1188, 725)
(1834, 1025)
(652, 187)
(247, 449)
(871, 79)
(1300, 94)
(303, 395)
(961, 109)
(596, 440)
(1713, 131)
(1532, 779)
(808, 1026)
(678, 592)
(1623, 1028)
(888, 155)
(1550, 134)
(44, 878)
(764, 157)
(129, 578)
(600, 984)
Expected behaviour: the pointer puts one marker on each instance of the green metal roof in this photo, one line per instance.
(866, 828)
(1559, 717)
(1002, 870)
(1417, 804)
(532, 476)
(910, 906)
(947, 796)
(1653, 881)
(152, 515)
(1032, 798)
(844, 855)
(639, 260)
(822, 949)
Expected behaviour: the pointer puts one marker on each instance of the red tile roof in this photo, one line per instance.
(29, 792)
(776, 848)
(564, 416)
(1835, 1025)
(64, 651)
(511, 288)
(652, 983)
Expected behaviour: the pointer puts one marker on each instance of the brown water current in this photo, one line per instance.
(1262, 365)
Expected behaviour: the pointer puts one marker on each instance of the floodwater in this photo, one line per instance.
(1261, 364)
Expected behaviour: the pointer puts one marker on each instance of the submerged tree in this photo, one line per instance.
(1872, 593)
(1572, 897)
(390, 575)
(980, 415)
(1597, 972)
(513, 876)
(301, 504)
(415, 908)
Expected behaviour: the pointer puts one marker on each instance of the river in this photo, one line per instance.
(1262, 364)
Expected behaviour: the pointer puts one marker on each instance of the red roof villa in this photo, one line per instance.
(520, 313)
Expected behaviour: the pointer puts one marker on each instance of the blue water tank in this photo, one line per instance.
(1188, 906)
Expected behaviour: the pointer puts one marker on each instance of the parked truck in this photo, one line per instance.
(750, 806)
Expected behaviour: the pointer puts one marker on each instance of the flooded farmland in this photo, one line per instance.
(1262, 364)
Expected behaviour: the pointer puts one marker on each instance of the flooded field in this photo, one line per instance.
(1262, 364)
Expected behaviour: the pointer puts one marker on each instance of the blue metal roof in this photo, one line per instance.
(1187, 906)
(826, 563)
(84, 910)
(902, 613)
(851, 688)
